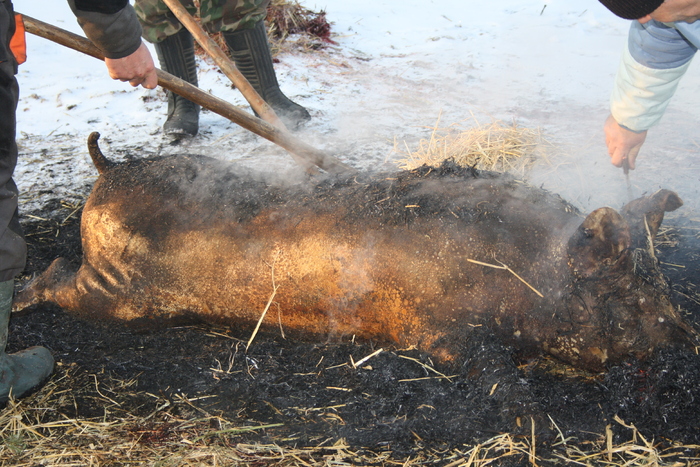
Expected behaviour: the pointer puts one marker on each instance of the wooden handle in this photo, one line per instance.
(300, 151)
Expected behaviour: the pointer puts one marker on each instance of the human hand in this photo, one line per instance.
(623, 144)
(137, 68)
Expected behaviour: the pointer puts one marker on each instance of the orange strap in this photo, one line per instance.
(17, 44)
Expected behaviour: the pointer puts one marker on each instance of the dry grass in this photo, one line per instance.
(284, 18)
(496, 146)
(33, 433)
(37, 431)
(638, 451)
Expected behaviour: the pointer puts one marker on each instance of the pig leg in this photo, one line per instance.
(56, 285)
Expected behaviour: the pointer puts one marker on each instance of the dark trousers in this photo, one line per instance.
(13, 250)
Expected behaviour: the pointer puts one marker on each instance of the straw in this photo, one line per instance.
(496, 146)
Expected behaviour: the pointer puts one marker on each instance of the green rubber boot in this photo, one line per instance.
(251, 53)
(176, 56)
(25, 370)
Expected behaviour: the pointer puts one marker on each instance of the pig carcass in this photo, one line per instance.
(414, 258)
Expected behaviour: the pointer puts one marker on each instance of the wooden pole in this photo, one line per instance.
(302, 152)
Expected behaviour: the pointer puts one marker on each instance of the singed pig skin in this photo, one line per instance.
(415, 258)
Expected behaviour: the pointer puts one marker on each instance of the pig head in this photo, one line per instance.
(616, 302)
(414, 258)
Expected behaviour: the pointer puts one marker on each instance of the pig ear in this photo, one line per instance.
(648, 213)
(598, 242)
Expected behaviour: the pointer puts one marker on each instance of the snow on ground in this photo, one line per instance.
(398, 67)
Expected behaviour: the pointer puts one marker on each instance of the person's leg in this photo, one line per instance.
(251, 53)
(12, 247)
(176, 56)
(242, 24)
(23, 371)
(175, 48)
(157, 21)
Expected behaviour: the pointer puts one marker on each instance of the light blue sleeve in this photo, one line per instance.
(658, 45)
(655, 59)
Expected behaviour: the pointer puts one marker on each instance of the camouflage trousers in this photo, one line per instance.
(158, 22)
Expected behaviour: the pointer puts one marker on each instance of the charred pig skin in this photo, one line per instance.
(415, 258)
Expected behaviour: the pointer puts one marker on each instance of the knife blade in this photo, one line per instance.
(626, 170)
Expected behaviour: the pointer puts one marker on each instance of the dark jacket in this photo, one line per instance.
(111, 25)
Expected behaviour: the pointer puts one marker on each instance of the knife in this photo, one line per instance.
(626, 170)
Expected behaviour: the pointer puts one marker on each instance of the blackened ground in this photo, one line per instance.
(393, 402)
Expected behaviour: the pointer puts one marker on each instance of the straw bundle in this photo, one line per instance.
(496, 146)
